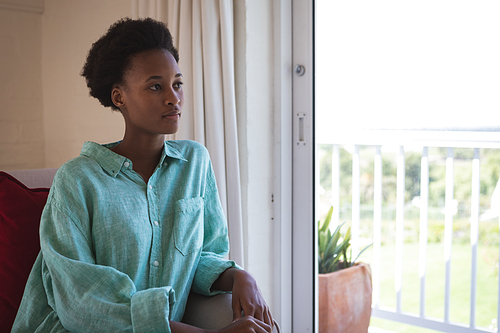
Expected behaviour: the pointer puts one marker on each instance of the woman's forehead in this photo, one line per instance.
(153, 63)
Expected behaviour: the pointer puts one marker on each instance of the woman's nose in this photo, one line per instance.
(172, 97)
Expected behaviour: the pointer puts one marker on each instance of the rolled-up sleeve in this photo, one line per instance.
(89, 297)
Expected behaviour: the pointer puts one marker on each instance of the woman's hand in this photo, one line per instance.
(247, 324)
(247, 297)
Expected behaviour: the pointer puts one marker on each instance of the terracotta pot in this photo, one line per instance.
(345, 300)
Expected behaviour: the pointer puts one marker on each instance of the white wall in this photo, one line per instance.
(21, 112)
(46, 113)
(70, 116)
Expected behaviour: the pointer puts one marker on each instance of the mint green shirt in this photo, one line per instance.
(121, 255)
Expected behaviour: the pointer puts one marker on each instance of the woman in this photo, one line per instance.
(130, 228)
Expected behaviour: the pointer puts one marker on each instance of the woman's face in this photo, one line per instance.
(151, 97)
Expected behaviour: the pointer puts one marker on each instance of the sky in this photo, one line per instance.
(392, 64)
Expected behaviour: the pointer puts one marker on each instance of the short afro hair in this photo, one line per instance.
(109, 58)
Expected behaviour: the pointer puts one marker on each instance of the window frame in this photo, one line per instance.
(304, 273)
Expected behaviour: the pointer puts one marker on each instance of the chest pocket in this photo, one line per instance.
(188, 225)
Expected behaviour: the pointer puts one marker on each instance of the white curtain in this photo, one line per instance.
(203, 34)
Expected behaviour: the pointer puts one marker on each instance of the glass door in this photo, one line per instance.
(394, 108)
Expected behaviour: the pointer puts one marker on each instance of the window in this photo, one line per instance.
(387, 73)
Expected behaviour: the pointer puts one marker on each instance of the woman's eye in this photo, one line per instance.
(178, 84)
(155, 87)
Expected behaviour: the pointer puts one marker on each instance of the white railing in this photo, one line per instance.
(423, 139)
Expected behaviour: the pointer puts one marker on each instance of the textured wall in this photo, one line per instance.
(21, 111)
(71, 117)
(46, 114)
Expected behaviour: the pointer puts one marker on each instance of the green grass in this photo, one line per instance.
(487, 286)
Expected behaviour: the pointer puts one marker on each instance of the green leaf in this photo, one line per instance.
(335, 264)
(354, 261)
(332, 245)
(348, 233)
(342, 247)
(328, 218)
(322, 242)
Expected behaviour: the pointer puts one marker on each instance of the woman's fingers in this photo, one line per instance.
(251, 310)
(258, 311)
(247, 298)
(236, 309)
(248, 324)
(268, 319)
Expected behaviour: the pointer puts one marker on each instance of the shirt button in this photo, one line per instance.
(150, 187)
(156, 263)
(126, 164)
(156, 223)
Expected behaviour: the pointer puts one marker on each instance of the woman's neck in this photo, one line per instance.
(145, 154)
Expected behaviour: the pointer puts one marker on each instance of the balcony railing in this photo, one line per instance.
(402, 140)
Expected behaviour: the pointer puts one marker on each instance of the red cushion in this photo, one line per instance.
(20, 211)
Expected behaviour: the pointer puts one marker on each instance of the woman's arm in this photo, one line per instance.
(87, 294)
(214, 273)
(247, 297)
(177, 327)
(89, 297)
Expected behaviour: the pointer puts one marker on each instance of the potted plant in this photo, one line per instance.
(345, 287)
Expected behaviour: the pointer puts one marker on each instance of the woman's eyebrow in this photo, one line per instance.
(158, 77)
(153, 77)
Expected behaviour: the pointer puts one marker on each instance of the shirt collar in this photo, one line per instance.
(172, 152)
(112, 163)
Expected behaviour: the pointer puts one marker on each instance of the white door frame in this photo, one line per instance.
(303, 180)
(294, 229)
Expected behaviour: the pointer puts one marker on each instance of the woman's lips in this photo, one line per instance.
(172, 116)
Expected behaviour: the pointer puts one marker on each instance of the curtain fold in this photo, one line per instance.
(203, 33)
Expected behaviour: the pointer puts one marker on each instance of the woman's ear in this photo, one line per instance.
(117, 97)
